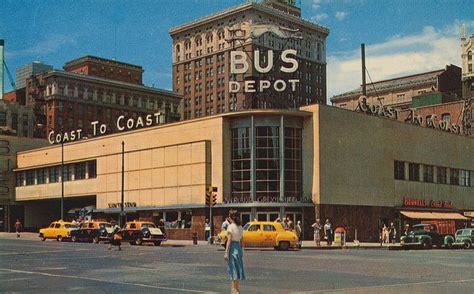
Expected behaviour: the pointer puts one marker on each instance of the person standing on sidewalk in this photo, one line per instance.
(328, 232)
(207, 230)
(17, 228)
(115, 239)
(317, 232)
(392, 234)
(234, 253)
(299, 233)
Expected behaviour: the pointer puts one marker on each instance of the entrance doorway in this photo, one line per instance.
(267, 216)
(244, 217)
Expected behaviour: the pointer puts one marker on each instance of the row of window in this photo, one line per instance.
(46, 175)
(431, 174)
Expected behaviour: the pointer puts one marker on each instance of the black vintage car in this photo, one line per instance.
(93, 231)
(139, 232)
(426, 236)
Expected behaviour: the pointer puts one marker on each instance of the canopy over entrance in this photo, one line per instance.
(434, 215)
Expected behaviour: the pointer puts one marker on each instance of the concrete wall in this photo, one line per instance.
(357, 154)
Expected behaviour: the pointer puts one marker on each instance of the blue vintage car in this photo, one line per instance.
(464, 238)
(426, 236)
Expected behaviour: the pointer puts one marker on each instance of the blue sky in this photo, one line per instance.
(402, 37)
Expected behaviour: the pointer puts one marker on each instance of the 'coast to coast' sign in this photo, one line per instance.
(122, 123)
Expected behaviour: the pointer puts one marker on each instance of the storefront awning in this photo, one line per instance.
(469, 214)
(434, 215)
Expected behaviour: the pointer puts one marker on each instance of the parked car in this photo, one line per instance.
(464, 238)
(58, 230)
(93, 231)
(264, 234)
(139, 232)
(426, 236)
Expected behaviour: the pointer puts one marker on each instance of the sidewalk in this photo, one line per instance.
(179, 243)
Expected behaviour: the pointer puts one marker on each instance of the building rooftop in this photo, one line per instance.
(394, 84)
(90, 58)
(111, 82)
(243, 7)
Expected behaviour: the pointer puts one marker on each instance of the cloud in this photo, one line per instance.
(340, 15)
(47, 46)
(319, 17)
(427, 50)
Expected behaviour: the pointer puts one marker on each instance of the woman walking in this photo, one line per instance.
(234, 253)
(317, 232)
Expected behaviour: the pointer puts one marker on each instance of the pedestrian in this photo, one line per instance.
(207, 229)
(392, 233)
(285, 223)
(225, 224)
(299, 233)
(234, 253)
(328, 232)
(291, 226)
(407, 230)
(115, 239)
(162, 226)
(384, 234)
(317, 232)
(17, 228)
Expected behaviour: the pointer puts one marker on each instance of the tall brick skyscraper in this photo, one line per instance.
(201, 58)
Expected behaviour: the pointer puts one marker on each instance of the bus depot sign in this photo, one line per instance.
(122, 123)
(239, 64)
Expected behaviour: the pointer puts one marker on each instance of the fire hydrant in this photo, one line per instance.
(195, 238)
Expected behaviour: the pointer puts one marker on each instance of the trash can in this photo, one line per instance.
(340, 236)
(195, 238)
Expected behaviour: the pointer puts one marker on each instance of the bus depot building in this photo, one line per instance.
(357, 170)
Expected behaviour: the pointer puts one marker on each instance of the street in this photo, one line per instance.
(29, 265)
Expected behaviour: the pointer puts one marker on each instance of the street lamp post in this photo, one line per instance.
(122, 213)
(62, 179)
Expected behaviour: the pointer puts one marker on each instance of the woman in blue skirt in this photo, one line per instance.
(233, 252)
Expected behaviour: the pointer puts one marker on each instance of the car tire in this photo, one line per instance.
(284, 246)
(449, 244)
(95, 240)
(157, 243)
(467, 245)
(74, 239)
(138, 241)
(132, 243)
(426, 244)
(59, 238)
(43, 239)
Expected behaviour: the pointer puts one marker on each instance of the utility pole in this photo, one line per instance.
(364, 86)
(62, 178)
(122, 213)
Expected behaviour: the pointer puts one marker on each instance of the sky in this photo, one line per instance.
(401, 37)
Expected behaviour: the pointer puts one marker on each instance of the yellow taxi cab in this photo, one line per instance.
(58, 230)
(264, 234)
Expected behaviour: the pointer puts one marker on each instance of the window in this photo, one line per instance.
(399, 170)
(254, 228)
(3, 118)
(413, 171)
(442, 175)
(269, 228)
(267, 160)
(241, 164)
(20, 178)
(66, 173)
(92, 169)
(293, 163)
(30, 177)
(465, 178)
(57, 226)
(428, 173)
(79, 171)
(41, 176)
(54, 173)
(454, 176)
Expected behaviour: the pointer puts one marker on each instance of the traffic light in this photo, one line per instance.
(211, 196)
(214, 199)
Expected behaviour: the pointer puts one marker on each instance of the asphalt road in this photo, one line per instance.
(35, 266)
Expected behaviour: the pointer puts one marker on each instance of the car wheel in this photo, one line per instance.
(59, 238)
(157, 243)
(43, 239)
(138, 241)
(467, 245)
(132, 243)
(449, 244)
(74, 238)
(95, 240)
(426, 244)
(284, 245)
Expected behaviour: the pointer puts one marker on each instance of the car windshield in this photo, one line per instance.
(148, 226)
(246, 226)
(459, 232)
(421, 228)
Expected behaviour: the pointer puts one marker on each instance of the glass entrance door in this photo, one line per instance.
(267, 216)
(244, 217)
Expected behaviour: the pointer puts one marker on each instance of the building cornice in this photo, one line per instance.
(245, 7)
(112, 83)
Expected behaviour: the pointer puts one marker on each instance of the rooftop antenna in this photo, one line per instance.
(115, 43)
(364, 85)
(463, 32)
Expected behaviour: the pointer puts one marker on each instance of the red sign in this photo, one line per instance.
(427, 203)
